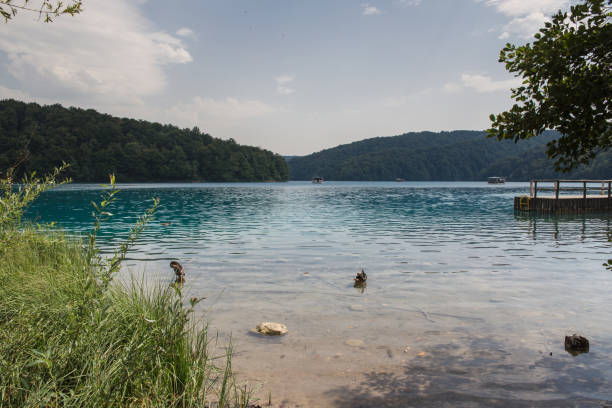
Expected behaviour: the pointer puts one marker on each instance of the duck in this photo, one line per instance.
(178, 270)
(361, 278)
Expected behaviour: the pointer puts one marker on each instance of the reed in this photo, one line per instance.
(69, 337)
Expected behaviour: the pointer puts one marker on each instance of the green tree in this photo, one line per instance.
(567, 85)
(47, 9)
(96, 145)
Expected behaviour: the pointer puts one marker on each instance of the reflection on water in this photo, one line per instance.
(440, 257)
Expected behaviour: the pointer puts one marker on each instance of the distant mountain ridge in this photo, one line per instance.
(461, 155)
(96, 145)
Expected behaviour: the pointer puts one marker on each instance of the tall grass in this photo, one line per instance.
(69, 337)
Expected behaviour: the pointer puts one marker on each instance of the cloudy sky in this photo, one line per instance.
(291, 76)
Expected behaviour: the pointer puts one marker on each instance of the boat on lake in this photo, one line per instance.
(496, 180)
(317, 180)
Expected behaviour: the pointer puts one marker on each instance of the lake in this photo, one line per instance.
(466, 301)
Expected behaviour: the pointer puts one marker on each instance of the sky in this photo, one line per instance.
(290, 76)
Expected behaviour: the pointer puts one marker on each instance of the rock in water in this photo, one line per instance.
(575, 344)
(271, 328)
(354, 343)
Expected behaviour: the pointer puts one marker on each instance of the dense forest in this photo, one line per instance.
(96, 145)
(444, 156)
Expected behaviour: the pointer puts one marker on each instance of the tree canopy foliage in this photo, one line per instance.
(97, 145)
(567, 85)
(46, 9)
(444, 156)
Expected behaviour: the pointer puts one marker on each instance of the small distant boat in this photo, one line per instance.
(399, 179)
(317, 180)
(496, 180)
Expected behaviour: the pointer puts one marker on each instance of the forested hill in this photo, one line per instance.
(96, 145)
(444, 156)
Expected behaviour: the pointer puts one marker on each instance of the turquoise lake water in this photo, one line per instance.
(453, 273)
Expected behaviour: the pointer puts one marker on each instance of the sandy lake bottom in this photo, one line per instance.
(369, 353)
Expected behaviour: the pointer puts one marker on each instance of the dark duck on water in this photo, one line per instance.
(361, 278)
(179, 271)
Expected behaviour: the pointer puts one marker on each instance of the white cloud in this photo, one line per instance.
(481, 84)
(282, 82)
(452, 87)
(368, 10)
(403, 100)
(521, 8)
(201, 108)
(9, 93)
(407, 3)
(284, 79)
(185, 32)
(108, 54)
(524, 27)
(527, 16)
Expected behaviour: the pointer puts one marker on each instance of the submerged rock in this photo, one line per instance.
(575, 344)
(271, 329)
(354, 343)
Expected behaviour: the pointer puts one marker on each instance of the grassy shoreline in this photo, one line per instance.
(71, 337)
(66, 341)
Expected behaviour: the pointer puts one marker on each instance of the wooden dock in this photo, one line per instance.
(566, 196)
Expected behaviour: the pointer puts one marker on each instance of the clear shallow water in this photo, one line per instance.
(485, 294)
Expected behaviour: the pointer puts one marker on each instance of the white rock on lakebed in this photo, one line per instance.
(354, 343)
(271, 328)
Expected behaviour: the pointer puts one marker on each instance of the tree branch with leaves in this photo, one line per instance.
(567, 85)
(47, 10)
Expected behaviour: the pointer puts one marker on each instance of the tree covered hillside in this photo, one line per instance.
(444, 156)
(97, 144)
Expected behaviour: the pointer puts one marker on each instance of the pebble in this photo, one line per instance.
(354, 343)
